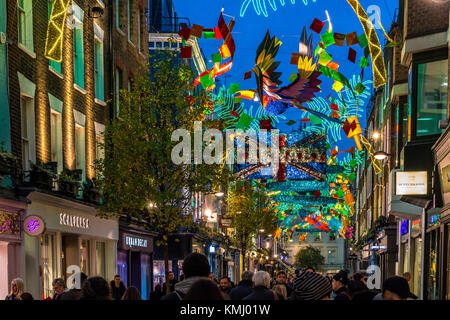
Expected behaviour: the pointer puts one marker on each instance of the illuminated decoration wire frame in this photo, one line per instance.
(378, 66)
(55, 30)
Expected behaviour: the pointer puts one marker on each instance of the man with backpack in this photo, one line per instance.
(195, 267)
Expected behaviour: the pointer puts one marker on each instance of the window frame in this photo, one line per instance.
(418, 59)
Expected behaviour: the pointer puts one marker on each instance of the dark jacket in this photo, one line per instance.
(117, 293)
(73, 294)
(365, 295)
(171, 286)
(342, 295)
(11, 297)
(156, 296)
(288, 288)
(242, 290)
(262, 293)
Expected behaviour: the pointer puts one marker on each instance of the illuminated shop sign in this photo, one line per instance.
(415, 229)
(73, 221)
(404, 227)
(411, 183)
(434, 220)
(34, 226)
(136, 242)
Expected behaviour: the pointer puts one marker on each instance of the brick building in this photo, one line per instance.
(57, 115)
(398, 230)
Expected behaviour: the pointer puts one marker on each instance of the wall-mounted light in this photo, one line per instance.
(381, 155)
(376, 135)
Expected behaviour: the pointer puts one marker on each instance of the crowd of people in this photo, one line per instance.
(198, 283)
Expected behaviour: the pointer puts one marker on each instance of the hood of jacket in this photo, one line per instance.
(185, 285)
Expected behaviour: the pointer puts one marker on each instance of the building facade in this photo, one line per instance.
(406, 118)
(55, 118)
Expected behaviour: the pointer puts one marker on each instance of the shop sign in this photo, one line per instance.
(434, 220)
(226, 222)
(404, 227)
(133, 242)
(34, 226)
(445, 179)
(73, 221)
(411, 183)
(415, 229)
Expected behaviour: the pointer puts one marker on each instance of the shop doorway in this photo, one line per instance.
(70, 255)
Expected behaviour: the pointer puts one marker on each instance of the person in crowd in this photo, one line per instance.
(172, 283)
(182, 277)
(204, 290)
(195, 267)
(244, 288)
(281, 279)
(95, 288)
(310, 269)
(75, 293)
(290, 281)
(59, 287)
(132, 293)
(358, 276)
(339, 285)
(26, 296)
(261, 285)
(157, 294)
(311, 286)
(118, 288)
(281, 289)
(358, 291)
(397, 288)
(17, 289)
(225, 285)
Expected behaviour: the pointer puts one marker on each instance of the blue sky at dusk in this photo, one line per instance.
(286, 23)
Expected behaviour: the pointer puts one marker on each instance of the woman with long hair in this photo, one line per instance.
(132, 293)
(17, 289)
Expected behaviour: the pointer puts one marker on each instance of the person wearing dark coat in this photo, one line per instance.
(282, 280)
(195, 267)
(117, 288)
(339, 285)
(244, 288)
(261, 291)
(157, 294)
(172, 283)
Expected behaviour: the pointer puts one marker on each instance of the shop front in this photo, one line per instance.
(439, 221)
(385, 249)
(135, 258)
(11, 249)
(65, 237)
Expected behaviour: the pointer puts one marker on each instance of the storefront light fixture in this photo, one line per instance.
(219, 194)
(381, 155)
(376, 135)
(261, 230)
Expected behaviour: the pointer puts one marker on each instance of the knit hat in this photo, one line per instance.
(312, 286)
(341, 276)
(398, 285)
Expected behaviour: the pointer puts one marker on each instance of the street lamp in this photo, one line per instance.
(219, 194)
(381, 155)
(376, 135)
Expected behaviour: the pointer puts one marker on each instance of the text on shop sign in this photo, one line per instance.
(135, 242)
(73, 221)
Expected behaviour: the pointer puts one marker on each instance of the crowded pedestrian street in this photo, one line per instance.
(249, 152)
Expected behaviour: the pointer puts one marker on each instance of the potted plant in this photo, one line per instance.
(90, 192)
(42, 174)
(9, 164)
(68, 184)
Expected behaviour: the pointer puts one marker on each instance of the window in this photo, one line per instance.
(318, 237)
(84, 256)
(56, 139)
(55, 66)
(332, 237)
(100, 256)
(119, 22)
(80, 147)
(78, 47)
(432, 86)
(118, 87)
(129, 31)
(28, 132)
(48, 263)
(25, 24)
(99, 148)
(331, 256)
(99, 71)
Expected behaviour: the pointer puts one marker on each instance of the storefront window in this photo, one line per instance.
(84, 256)
(145, 276)
(417, 266)
(48, 263)
(158, 272)
(122, 266)
(432, 86)
(433, 263)
(100, 258)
